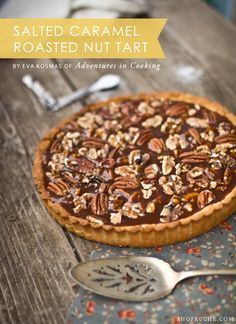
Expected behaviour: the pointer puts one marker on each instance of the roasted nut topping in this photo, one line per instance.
(195, 134)
(141, 161)
(197, 122)
(116, 217)
(224, 128)
(59, 187)
(124, 183)
(80, 203)
(176, 141)
(80, 165)
(56, 147)
(168, 163)
(126, 171)
(94, 142)
(68, 177)
(152, 122)
(156, 145)
(144, 137)
(210, 116)
(177, 110)
(194, 157)
(171, 211)
(99, 203)
(204, 198)
(226, 138)
(145, 110)
(151, 171)
(132, 210)
(171, 185)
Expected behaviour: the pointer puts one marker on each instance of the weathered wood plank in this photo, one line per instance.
(25, 109)
(203, 32)
(35, 254)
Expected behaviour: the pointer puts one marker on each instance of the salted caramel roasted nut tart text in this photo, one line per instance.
(145, 170)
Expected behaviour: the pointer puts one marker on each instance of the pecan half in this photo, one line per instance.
(195, 134)
(226, 138)
(194, 157)
(204, 198)
(177, 109)
(124, 183)
(156, 145)
(68, 177)
(144, 137)
(210, 116)
(81, 165)
(94, 142)
(99, 203)
(59, 187)
(56, 147)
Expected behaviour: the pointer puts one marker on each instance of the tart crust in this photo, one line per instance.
(144, 235)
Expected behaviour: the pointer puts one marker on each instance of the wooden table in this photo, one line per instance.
(35, 252)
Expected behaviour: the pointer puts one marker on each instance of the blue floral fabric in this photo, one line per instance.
(193, 299)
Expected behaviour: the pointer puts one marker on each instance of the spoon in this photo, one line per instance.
(105, 82)
(134, 278)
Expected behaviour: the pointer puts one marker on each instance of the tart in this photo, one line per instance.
(140, 171)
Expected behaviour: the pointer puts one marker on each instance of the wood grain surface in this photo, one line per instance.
(35, 252)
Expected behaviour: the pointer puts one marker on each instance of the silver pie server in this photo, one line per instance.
(105, 82)
(134, 278)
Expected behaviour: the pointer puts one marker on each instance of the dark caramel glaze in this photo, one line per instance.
(129, 116)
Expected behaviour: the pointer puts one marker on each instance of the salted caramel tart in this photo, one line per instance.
(145, 170)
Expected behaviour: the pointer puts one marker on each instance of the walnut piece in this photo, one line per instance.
(168, 163)
(145, 110)
(154, 121)
(197, 122)
(116, 218)
(132, 210)
(126, 171)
